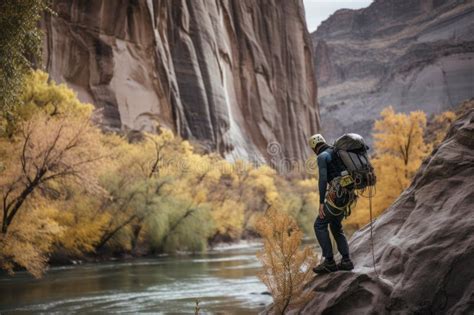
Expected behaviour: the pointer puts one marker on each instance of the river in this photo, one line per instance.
(223, 279)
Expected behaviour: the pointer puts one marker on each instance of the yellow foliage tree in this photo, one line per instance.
(286, 266)
(399, 151)
(47, 151)
(30, 239)
(40, 96)
(54, 99)
(399, 145)
(81, 222)
(258, 191)
(156, 178)
(130, 185)
(229, 218)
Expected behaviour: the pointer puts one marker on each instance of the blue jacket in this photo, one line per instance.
(328, 170)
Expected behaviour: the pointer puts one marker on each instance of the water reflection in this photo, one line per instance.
(224, 280)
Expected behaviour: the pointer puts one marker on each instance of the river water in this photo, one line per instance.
(224, 280)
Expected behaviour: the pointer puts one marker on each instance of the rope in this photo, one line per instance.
(371, 193)
(329, 209)
(371, 232)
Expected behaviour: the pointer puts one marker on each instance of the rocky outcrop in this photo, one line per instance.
(232, 75)
(424, 245)
(413, 55)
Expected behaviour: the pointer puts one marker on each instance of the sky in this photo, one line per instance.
(319, 10)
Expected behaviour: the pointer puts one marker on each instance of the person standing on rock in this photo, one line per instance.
(329, 168)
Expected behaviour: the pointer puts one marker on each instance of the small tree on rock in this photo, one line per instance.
(286, 266)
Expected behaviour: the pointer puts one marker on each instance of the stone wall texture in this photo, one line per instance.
(230, 75)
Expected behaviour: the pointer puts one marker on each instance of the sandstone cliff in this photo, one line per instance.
(233, 75)
(424, 243)
(414, 55)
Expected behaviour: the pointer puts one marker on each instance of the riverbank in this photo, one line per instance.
(61, 259)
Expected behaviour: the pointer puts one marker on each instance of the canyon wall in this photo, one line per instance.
(411, 54)
(230, 75)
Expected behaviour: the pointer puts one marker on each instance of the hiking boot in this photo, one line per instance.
(325, 267)
(345, 264)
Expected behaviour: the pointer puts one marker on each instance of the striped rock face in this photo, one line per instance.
(230, 75)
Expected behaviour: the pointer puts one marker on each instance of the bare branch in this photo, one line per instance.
(23, 156)
(51, 147)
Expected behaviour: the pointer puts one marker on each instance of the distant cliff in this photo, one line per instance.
(232, 75)
(412, 54)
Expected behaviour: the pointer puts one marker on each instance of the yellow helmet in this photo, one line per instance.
(315, 140)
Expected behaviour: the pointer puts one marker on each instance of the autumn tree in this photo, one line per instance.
(286, 266)
(30, 239)
(399, 144)
(399, 151)
(41, 95)
(80, 221)
(256, 188)
(48, 154)
(158, 190)
(191, 224)
(131, 186)
(47, 150)
(180, 224)
(228, 218)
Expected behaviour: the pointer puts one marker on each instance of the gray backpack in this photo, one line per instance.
(352, 151)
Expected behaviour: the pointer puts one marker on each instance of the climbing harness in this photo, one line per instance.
(341, 194)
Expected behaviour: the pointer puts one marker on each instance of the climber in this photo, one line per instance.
(329, 168)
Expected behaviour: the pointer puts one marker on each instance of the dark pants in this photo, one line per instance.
(322, 233)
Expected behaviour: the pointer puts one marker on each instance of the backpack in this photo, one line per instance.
(352, 151)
